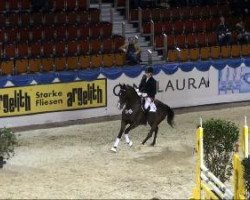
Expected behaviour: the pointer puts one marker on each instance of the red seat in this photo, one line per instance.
(2, 20)
(3, 6)
(10, 51)
(178, 27)
(94, 15)
(133, 15)
(165, 14)
(49, 19)
(71, 18)
(13, 20)
(11, 35)
(175, 13)
(159, 41)
(24, 35)
(12, 5)
(84, 31)
(81, 4)
(146, 15)
(82, 17)
(168, 27)
(189, 26)
(71, 33)
(214, 11)
(48, 49)
(159, 28)
(120, 3)
(195, 12)
(205, 14)
(185, 12)
(2, 35)
(70, 5)
(22, 50)
(201, 39)
(191, 40)
(118, 41)
(180, 41)
(156, 14)
(35, 50)
(72, 48)
(36, 34)
(61, 18)
(37, 19)
(212, 39)
(60, 49)
(24, 4)
(107, 45)
(106, 29)
(84, 47)
(60, 33)
(95, 46)
(199, 25)
(95, 31)
(25, 19)
(58, 5)
(171, 41)
(146, 28)
(49, 33)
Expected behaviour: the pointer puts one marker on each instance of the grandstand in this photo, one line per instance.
(68, 35)
(78, 34)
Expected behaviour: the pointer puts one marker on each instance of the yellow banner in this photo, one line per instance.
(33, 99)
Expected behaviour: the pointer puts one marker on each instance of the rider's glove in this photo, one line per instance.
(144, 94)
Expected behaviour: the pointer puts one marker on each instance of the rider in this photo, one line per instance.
(147, 88)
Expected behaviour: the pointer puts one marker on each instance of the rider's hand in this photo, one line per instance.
(144, 94)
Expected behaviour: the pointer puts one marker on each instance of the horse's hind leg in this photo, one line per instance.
(118, 138)
(155, 136)
(153, 128)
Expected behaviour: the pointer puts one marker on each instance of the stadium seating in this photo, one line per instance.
(65, 36)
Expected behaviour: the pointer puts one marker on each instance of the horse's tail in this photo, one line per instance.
(170, 115)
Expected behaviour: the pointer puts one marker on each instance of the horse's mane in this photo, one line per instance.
(131, 88)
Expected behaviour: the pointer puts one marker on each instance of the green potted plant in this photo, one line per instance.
(8, 142)
(220, 137)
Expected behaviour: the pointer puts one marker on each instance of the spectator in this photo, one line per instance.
(133, 51)
(243, 36)
(223, 33)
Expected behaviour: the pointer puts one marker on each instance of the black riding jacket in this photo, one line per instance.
(148, 87)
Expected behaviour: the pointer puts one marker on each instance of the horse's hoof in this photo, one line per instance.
(113, 149)
(130, 143)
(152, 144)
(143, 143)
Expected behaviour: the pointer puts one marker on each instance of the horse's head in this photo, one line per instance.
(126, 94)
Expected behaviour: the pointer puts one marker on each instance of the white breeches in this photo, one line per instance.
(150, 103)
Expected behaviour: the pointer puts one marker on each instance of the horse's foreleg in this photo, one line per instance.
(132, 126)
(118, 138)
(155, 136)
(153, 128)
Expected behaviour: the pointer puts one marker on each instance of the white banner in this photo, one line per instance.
(181, 89)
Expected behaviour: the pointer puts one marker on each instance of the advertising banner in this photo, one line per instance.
(34, 99)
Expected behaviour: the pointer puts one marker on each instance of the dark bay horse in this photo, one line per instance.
(134, 115)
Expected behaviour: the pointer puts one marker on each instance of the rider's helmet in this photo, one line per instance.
(149, 70)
